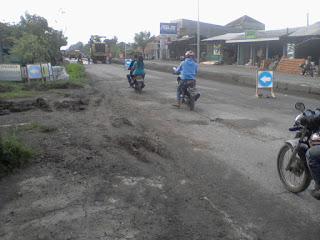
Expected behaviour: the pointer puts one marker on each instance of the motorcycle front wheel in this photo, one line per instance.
(297, 178)
(315, 72)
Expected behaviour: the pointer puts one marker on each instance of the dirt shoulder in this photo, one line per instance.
(102, 175)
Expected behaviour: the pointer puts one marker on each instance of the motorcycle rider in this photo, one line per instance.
(139, 67)
(313, 155)
(306, 66)
(130, 75)
(188, 69)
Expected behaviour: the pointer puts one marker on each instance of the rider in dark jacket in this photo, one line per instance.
(313, 154)
(131, 68)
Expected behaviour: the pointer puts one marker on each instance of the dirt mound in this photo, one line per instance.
(46, 87)
(7, 107)
(5, 89)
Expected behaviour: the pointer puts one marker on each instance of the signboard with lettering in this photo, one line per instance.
(250, 34)
(168, 29)
(10, 72)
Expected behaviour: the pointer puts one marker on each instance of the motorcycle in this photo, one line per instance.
(312, 70)
(292, 166)
(80, 61)
(189, 94)
(138, 83)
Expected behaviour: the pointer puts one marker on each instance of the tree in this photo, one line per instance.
(34, 41)
(142, 39)
(111, 42)
(30, 49)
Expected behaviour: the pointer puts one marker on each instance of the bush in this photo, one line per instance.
(76, 70)
(13, 154)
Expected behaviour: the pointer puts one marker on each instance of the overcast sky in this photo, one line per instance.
(123, 18)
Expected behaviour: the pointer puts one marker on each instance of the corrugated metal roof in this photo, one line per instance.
(261, 35)
(310, 30)
(241, 20)
(223, 37)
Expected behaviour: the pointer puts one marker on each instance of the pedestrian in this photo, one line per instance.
(110, 58)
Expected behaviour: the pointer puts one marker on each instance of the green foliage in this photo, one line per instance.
(142, 39)
(30, 49)
(26, 127)
(13, 154)
(76, 70)
(17, 91)
(32, 40)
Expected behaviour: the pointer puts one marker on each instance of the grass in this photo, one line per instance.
(46, 128)
(76, 71)
(34, 126)
(13, 154)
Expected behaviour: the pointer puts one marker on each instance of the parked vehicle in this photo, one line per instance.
(291, 161)
(189, 94)
(138, 83)
(311, 70)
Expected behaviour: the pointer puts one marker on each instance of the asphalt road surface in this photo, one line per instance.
(125, 165)
(239, 134)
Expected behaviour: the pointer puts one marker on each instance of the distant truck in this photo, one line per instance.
(98, 49)
(73, 54)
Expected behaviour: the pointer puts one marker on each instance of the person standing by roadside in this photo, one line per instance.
(110, 58)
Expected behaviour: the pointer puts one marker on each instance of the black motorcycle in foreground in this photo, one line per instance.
(189, 94)
(291, 161)
(138, 83)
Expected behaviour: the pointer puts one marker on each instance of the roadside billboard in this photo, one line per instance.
(34, 71)
(168, 29)
(46, 70)
(10, 72)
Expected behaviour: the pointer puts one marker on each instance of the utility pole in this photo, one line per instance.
(198, 36)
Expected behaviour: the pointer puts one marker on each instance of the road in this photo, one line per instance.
(237, 133)
(131, 166)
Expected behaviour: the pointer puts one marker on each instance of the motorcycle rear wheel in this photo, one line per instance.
(191, 101)
(298, 178)
(138, 87)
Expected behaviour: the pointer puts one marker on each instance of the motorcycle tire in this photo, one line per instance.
(191, 101)
(298, 178)
(138, 88)
(315, 72)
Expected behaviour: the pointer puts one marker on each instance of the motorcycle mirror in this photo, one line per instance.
(300, 106)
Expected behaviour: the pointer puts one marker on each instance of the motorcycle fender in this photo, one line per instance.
(293, 143)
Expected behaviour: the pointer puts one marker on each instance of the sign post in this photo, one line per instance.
(264, 80)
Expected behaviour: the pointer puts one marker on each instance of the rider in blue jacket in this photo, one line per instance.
(188, 69)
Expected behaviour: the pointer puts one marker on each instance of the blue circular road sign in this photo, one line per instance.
(127, 62)
(265, 79)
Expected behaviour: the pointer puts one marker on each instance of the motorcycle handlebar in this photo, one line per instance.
(296, 128)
